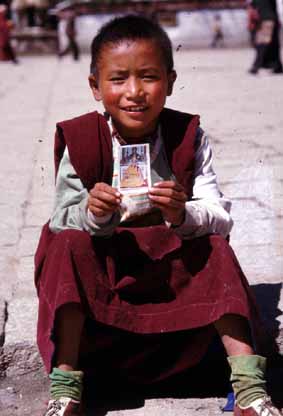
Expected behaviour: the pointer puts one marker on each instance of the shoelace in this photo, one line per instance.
(55, 407)
(267, 404)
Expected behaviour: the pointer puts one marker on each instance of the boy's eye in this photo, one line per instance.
(149, 77)
(117, 79)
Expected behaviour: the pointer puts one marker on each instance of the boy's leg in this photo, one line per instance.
(66, 380)
(235, 334)
(69, 326)
(248, 369)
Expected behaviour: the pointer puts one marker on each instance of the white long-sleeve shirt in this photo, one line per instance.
(207, 212)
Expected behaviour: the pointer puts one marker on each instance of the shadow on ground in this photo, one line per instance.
(209, 379)
(268, 297)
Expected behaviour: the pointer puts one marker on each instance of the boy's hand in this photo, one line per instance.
(103, 199)
(170, 197)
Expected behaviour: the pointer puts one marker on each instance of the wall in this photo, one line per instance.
(194, 29)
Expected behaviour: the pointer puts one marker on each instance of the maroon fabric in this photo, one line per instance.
(88, 140)
(141, 280)
(142, 358)
(4, 39)
(74, 271)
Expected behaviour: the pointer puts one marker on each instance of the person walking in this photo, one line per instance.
(218, 37)
(70, 31)
(267, 38)
(6, 50)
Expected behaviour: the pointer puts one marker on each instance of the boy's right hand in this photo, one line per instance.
(103, 199)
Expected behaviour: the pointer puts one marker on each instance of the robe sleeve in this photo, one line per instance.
(208, 212)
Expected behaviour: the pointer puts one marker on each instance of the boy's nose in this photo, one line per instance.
(134, 89)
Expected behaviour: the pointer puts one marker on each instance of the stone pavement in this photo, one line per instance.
(243, 115)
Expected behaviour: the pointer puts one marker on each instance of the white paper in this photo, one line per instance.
(134, 180)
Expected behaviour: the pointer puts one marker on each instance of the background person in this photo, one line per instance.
(70, 31)
(268, 53)
(217, 32)
(18, 8)
(6, 50)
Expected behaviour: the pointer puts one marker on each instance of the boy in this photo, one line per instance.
(166, 273)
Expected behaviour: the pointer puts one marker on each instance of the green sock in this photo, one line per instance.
(248, 378)
(66, 384)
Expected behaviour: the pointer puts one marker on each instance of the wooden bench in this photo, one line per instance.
(32, 37)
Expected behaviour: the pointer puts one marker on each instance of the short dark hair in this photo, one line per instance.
(131, 27)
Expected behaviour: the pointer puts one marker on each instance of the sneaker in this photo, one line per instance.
(63, 407)
(259, 407)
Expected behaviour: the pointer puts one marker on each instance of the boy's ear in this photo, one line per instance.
(171, 79)
(93, 83)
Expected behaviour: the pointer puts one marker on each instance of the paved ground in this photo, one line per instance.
(244, 117)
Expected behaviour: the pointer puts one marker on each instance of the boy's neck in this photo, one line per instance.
(122, 139)
(135, 140)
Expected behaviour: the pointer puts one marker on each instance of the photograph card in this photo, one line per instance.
(134, 168)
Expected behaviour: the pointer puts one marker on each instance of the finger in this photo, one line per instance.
(167, 202)
(169, 184)
(97, 203)
(99, 212)
(107, 197)
(169, 193)
(104, 187)
(100, 209)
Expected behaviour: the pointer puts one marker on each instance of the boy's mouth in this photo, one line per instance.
(135, 109)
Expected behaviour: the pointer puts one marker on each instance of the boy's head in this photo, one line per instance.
(131, 28)
(132, 73)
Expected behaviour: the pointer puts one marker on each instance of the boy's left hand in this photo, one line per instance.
(170, 197)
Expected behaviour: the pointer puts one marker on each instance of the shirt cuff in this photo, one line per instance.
(98, 220)
(191, 223)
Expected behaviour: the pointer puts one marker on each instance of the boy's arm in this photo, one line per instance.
(70, 208)
(208, 211)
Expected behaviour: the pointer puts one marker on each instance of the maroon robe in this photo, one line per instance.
(143, 282)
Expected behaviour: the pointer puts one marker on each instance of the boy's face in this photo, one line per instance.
(133, 83)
